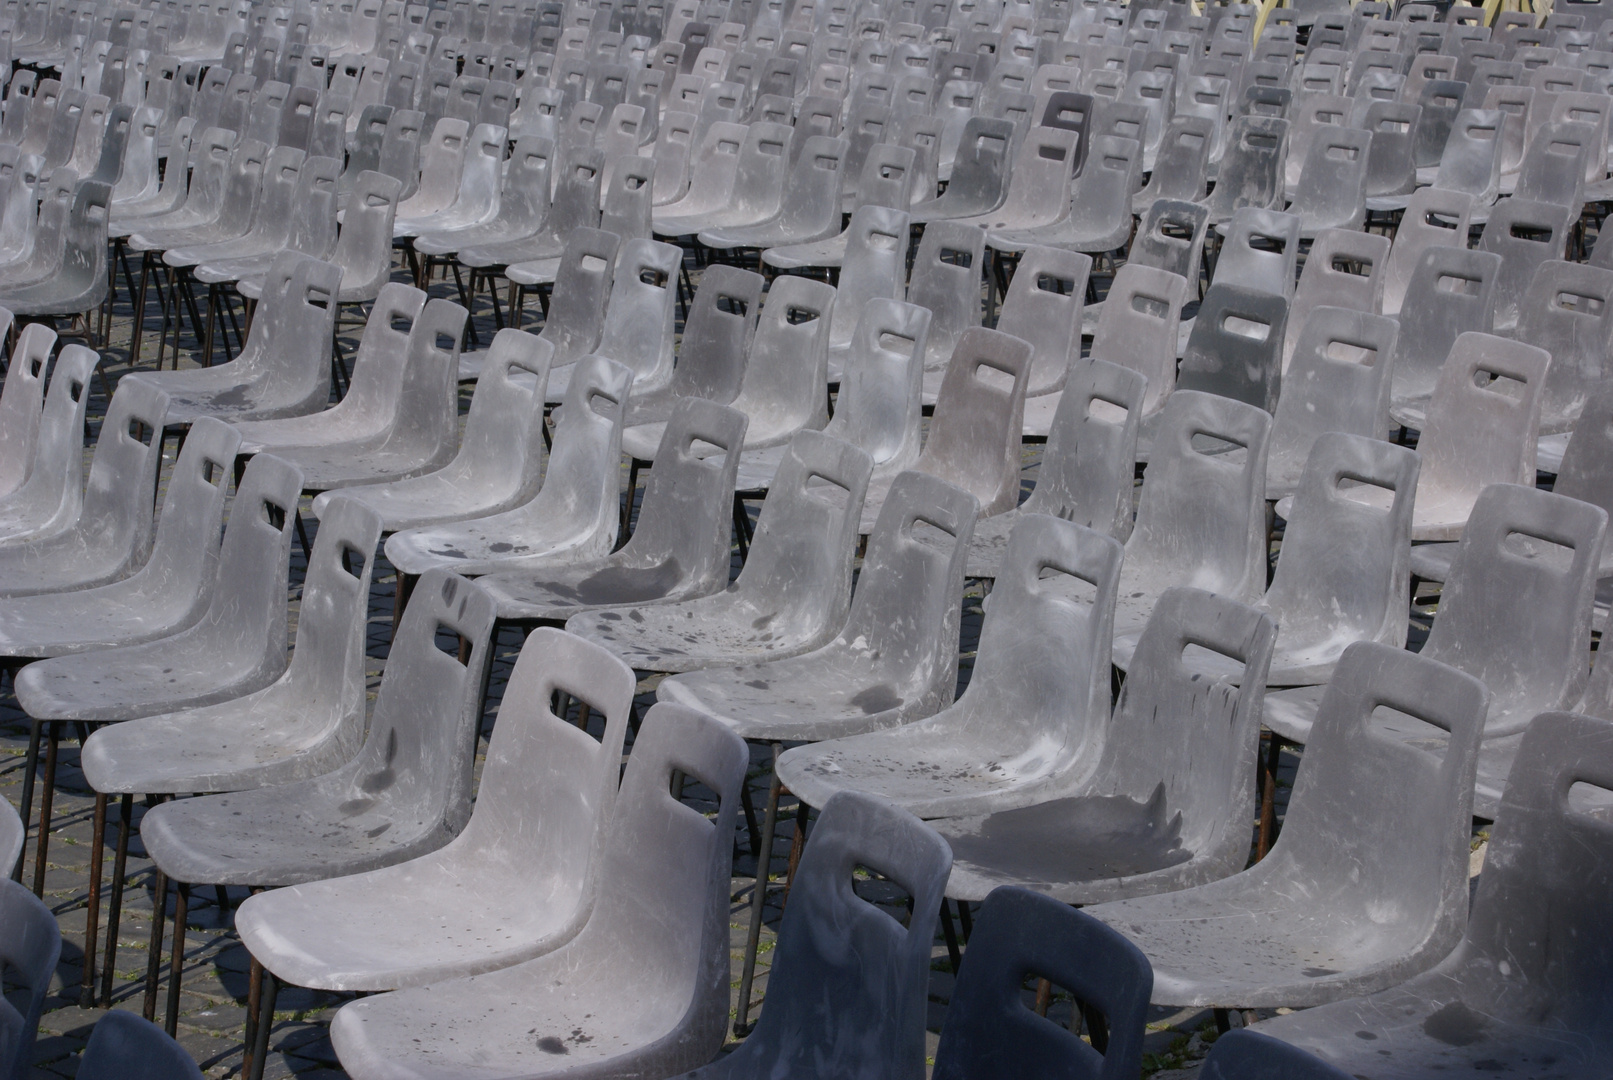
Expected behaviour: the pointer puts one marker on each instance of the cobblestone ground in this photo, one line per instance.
(214, 980)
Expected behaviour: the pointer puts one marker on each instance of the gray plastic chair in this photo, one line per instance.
(1098, 216)
(22, 404)
(1261, 268)
(105, 534)
(1236, 345)
(1525, 234)
(1453, 292)
(1036, 707)
(1180, 170)
(1519, 538)
(1039, 184)
(1250, 173)
(1043, 307)
(975, 434)
(1167, 776)
(1338, 381)
(284, 368)
(980, 174)
(352, 933)
(713, 172)
(1331, 193)
(1433, 218)
(79, 281)
(882, 669)
(1471, 161)
(639, 318)
(442, 158)
(1550, 171)
(1483, 421)
(834, 946)
(31, 947)
(1252, 1055)
(715, 345)
(1547, 854)
(1138, 329)
(794, 591)
(1260, 938)
(1565, 311)
(1201, 518)
(237, 647)
(575, 204)
(878, 407)
(499, 463)
(523, 203)
(990, 1034)
(1344, 269)
(758, 189)
(421, 434)
(946, 279)
(662, 867)
(306, 723)
(1087, 469)
(1391, 171)
(476, 183)
(125, 1047)
(808, 209)
(572, 518)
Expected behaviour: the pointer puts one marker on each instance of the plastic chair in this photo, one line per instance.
(979, 180)
(1525, 235)
(1250, 170)
(1236, 345)
(1138, 329)
(1088, 465)
(1565, 312)
(1339, 381)
(1253, 1055)
(575, 204)
(105, 534)
(879, 404)
(475, 198)
(1184, 154)
(1201, 518)
(1547, 845)
(758, 190)
(237, 647)
(1331, 193)
(1039, 185)
(419, 436)
(344, 933)
(881, 669)
(1391, 171)
(573, 517)
(307, 722)
(1550, 171)
(582, 287)
(1010, 739)
(1517, 538)
(22, 404)
(125, 1047)
(975, 433)
(284, 368)
(1453, 292)
(442, 158)
(1043, 307)
(715, 346)
(79, 280)
(523, 204)
(1433, 218)
(989, 1033)
(662, 866)
(297, 216)
(946, 278)
(31, 947)
(808, 209)
(713, 172)
(1344, 269)
(1482, 424)
(1471, 161)
(836, 946)
(639, 319)
(499, 462)
(792, 595)
(1243, 263)
(1209, 946)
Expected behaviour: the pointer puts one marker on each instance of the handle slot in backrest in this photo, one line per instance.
(1252, 329)
(1458, 285)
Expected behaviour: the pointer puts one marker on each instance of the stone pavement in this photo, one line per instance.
(212, 1006)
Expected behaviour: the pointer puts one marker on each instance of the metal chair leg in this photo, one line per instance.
(753, 939)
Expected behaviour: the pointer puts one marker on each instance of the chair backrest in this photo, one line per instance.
(1138, 328)
(639, 319)
(400, 149)
(421, 745)
(785, 387)
(1185, 741)
(1236, 346)
(1452, 290)
(980, 168)
(1471, 161)
(138, 178)
(1251, 1055)
(906, 609)
(1251, 167)
(666, 864)
(1261, 251)
(874, 266)
(22, 403)
(125, 1047)
(582, 479)
(1043, 307)
(1393, 126)
(990, 1034)
(1170, 237)
(190, 527)
(1344, 569)
(1484, 415)
(582, 288)
(123, 471)
(1525, 234)
(835, 946)
(946, 279)
(880, 400)
(1410, 852)
(685, 515)
(1345, 268)
(1550, 171)
(1201, 516)
(1088, 466)
(364, 245)
(717, 334)
(1590, 108)
(502, 451)
(1521, 541)
(30, 946)
(974, 438)
(1566, 312)
(1433, 218)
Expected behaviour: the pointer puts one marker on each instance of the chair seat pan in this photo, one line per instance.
(554, 595)
(140, 680)
(714, 631)
(123, 613)
(489, 545)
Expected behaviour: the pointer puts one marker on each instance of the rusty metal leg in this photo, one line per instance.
(159, 915)
(120, 863)
(758, 903)
(176, 964)
(46, 797)
(86, 993)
